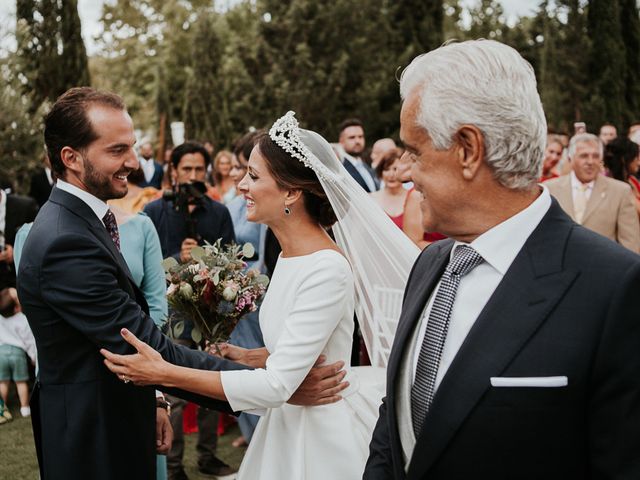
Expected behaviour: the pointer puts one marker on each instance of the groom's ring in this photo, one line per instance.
(124, 379)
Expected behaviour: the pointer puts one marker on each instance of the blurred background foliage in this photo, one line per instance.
(222, 69)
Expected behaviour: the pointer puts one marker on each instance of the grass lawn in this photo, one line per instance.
(19, 460)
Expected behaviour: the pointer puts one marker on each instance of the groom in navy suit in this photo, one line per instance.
(77, 293)
(517, 351)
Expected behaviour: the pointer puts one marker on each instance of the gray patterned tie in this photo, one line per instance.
(465, 259)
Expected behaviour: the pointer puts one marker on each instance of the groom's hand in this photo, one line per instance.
(322, 385)
(164, 432)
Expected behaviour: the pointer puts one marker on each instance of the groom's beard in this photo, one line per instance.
(98, 184)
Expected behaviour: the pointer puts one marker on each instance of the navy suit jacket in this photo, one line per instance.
(353, 171)
(77, 294)
(156, 180)
(567, 306)
(213, 221)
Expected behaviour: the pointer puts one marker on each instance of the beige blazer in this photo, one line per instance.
(610, 209)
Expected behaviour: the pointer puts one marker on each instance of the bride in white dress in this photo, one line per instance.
(296, 186)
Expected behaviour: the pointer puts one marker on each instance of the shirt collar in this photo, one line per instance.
(500, 245)
(94, 203)
(145, 161)
(577, 184)
(352, 159)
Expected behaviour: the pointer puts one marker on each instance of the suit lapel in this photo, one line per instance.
(532, 286)
(416, 299)
(353, 171)
(598, 195)
(428, 271)
(82, 210)
(564, 194)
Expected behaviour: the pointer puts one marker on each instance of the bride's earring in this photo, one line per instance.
(287, 210)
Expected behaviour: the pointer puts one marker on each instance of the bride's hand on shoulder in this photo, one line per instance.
(146, 367)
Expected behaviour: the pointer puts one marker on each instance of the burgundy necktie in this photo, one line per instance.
(109, 221)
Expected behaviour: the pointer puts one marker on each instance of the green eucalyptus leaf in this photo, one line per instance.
(197, 253)
(168, 263)
(262, 280)
(248, 251)
(196, 335)
(178, 328)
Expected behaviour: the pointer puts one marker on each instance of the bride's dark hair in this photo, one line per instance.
(291, 173)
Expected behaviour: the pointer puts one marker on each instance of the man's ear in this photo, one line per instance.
(71, 159)
(469, 145)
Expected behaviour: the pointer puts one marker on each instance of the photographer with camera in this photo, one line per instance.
(185, 217)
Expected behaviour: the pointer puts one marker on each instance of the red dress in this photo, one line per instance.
(551, 175)
(428, 236)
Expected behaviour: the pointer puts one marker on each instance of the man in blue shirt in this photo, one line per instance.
(179, 231)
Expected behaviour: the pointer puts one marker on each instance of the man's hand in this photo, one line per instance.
(253, 357)
(164, 432)
(6, 255)
(322, 385)
(185, 249)
(403, 170)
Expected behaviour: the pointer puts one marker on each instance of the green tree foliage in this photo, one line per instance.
(487, 21)
(223, 67)
(554, 96)
(630, 26)
(332, 63)
(20, 131)
(606, 69)
(51, 52)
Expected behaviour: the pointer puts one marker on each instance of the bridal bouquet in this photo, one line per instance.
(213, 290)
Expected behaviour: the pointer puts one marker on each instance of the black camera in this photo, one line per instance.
(183, 196)
(186, 194)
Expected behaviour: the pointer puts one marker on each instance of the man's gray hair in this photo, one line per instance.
(584, 138)
(487, 84)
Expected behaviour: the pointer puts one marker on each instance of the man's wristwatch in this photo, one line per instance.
(162, 403)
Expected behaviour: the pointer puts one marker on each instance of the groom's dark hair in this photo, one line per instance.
(67, 123)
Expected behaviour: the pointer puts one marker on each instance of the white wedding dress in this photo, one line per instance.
(307, 311)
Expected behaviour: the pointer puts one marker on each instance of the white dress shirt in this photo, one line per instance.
(498, 246)
(363, 171)
(95, 204)
(47, 172)
(577, 186)
(148, 168)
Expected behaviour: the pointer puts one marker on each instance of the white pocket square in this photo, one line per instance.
(545, 382)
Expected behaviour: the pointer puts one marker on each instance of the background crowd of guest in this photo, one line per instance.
(184, 196)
